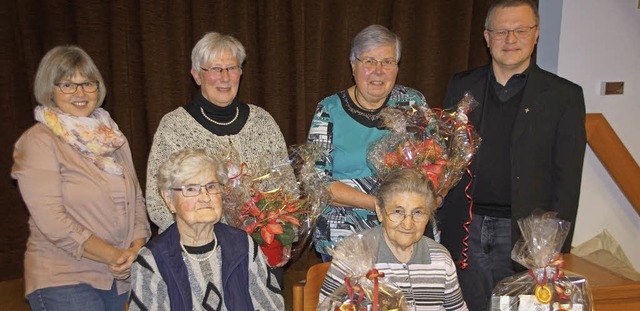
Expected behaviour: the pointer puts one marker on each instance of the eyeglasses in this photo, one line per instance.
(521, 32)
(371, 63)
(194, 190)
(70, 87)
(399, 215)
(217, 71)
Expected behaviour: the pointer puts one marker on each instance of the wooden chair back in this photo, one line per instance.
(306, 293)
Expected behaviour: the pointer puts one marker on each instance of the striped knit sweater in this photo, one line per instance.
(428, 281)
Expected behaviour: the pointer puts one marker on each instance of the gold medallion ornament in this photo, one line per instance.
(348, 306)
(543, 294)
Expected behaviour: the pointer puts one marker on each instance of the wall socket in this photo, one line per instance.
(612, 88)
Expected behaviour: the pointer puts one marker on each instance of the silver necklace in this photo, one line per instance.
(220, 123)
(215, 244)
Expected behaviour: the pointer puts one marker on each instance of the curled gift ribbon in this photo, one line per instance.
(372, 275)
(463, 125)
(464, 263)
(469, 130)
(351, 305)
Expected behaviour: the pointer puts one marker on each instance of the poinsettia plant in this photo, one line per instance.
(436, 142)
(422, 155)
(278, 205)
(269, 216)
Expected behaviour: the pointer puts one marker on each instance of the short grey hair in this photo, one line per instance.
(63, 62)
(510, 3)
(212, 44)
(188, 163)
(407, 180)
(372, 37)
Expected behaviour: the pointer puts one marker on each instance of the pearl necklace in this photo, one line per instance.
(215, 244)
(220, 123)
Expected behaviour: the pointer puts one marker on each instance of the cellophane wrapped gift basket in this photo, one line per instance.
(277, 204)
(545, 286)
(439, 143)
(363, 288)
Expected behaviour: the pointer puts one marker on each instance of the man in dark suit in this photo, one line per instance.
(533, 139)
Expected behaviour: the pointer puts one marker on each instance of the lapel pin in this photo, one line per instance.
(526, 110)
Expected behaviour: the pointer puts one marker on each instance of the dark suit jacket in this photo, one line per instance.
(547, 151)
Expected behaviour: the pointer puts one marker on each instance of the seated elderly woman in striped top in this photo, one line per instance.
(419, 266)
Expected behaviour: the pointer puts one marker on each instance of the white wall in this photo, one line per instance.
(600, 41)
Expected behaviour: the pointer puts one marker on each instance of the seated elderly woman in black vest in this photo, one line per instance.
(199, 263)
(421, 267)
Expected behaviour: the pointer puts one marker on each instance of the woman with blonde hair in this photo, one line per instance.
(75, 173)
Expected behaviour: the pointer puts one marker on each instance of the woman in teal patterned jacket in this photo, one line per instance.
(345, 124)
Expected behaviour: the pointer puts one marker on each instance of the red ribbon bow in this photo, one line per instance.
(372, 275)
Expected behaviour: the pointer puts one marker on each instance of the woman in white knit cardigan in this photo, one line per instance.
(214, 120)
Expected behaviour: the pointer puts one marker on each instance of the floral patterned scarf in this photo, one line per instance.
(96, 137)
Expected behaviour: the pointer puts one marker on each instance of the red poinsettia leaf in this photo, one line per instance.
(434, 178)
(266, 235)
(392, 159)
(272, 215)
(250, 227)
(433, 150)
(428, 142)
(269, 231)
(432, 171)
(274, 228)
(291, 208)
(253, 210)
(432, 168)
(292, 219)
(262, 215)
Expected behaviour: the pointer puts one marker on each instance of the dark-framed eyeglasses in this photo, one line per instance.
(371, 63)
(398, 215)
(217, 71)
(520, 32)
(69, 87)
(194, 189)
